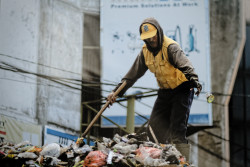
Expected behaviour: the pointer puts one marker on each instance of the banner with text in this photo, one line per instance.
(185, 21)
(17, 131)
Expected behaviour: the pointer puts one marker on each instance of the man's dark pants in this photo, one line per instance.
(170, 114)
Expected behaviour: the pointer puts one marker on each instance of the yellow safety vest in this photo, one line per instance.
(167, 75)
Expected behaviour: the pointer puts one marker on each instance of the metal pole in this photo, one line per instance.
(130, 124)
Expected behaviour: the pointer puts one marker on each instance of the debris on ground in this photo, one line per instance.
(132, 150)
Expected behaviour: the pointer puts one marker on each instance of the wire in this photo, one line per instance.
(107, 118)
(15, 69)
(208, 151)
(49, 78)
(202, 147)
(214, 103)
(142, 116)
(54, 79)
(143, 125)
(57, 79)
(38, 83)
(114, 83)
(202, 156)
(212, 152)
(209, 133)
(61, 80)
(37, 63)
(144, 104)
(237, 95)
(42, 64)
(205, 158)
(219, 137)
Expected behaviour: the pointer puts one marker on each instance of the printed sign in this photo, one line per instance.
(185, 21)
(55, 135)
(16, 131)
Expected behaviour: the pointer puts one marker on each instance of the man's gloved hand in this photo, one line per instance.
(111, 98)
(196, 84)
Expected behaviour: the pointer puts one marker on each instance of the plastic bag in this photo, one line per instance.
(117, 138)
(25, 148)
(170, 151)
(83, 150)
(23, 144)
(110, 157)
(152, 152)
(125, 148)
(34, 149)
(27, 155)
(52, 150)
(150, 156)
(48, 160)
(95, 159)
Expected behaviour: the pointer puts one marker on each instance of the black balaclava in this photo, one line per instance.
(155, 23)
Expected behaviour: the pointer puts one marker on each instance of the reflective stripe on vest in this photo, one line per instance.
(166, 74)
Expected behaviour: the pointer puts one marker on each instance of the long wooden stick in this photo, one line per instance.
(103, 109)
(153, 134)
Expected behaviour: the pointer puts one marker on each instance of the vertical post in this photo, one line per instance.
(89, 120)
(130, 123)
(81, 114)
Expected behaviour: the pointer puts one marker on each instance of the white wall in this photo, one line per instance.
(19, 28)
(42, 37)
(61, 43)
(247, 5)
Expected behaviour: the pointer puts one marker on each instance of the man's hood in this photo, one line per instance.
(155, 23)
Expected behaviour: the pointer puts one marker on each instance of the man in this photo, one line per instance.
(175, 76)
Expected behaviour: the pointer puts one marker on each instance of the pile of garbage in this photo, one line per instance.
(132, 150)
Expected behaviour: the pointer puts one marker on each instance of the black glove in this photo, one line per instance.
(196, 84)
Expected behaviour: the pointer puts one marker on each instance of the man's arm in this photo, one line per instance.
(179, 60)
(137, 70)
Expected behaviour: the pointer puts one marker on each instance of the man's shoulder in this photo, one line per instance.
(168, 41)
(174, 46)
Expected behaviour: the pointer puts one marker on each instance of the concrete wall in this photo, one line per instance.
(227, 25)
(247, 4)
(43, 37)
(19, 34)
(61, 41)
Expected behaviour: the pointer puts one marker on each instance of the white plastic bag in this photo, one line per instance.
(52, 150)
(28, 155)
